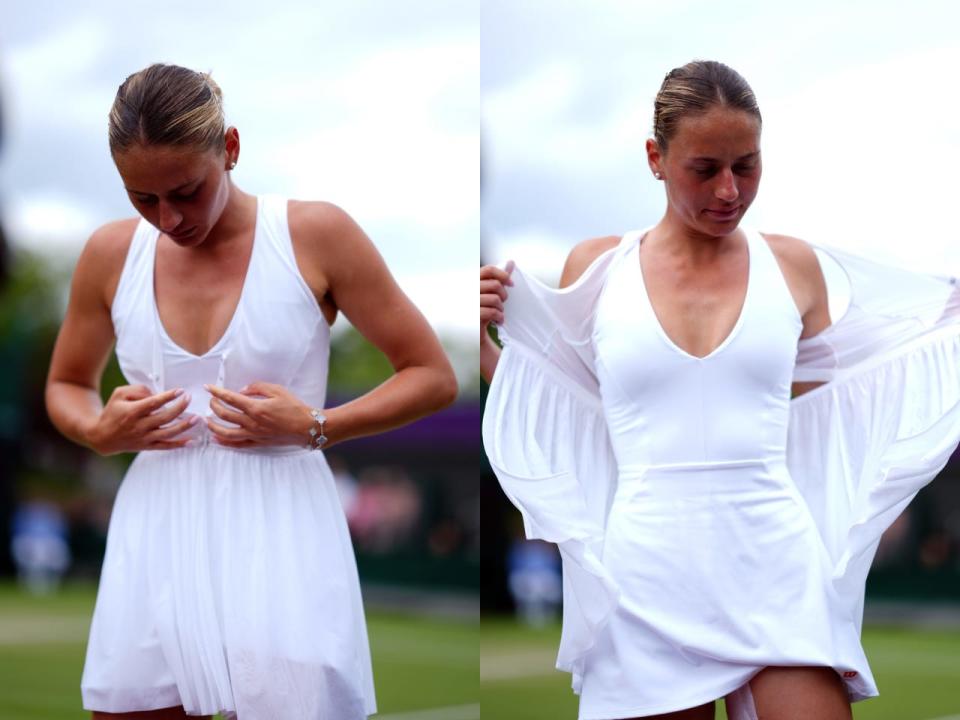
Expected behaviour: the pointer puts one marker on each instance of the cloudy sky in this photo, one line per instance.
(861, 138)
(371, 105)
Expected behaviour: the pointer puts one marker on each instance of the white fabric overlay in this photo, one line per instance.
(858, 449)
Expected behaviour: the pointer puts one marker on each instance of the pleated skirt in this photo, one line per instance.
(229, 585)
(722, 573)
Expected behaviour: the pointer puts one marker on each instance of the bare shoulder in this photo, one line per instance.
(793, 253)
(583, 254)
(316, 222)
(329, 244)
(101, 261)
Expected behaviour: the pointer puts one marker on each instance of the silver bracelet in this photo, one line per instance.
(317, 438)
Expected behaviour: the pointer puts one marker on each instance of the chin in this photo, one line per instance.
(192, 240)
(718, 229)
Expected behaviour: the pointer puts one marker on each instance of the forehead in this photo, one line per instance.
(719, 133)
(160, 168)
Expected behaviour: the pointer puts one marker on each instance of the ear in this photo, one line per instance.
(654, 157)
(231, 144)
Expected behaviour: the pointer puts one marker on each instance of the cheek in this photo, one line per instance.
(750, 186)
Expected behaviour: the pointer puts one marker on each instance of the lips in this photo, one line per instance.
(726, 214)
(182, 235)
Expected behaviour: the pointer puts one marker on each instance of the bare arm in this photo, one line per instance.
(362, 287)
(804, 277)
(81, 352)
(346, 273)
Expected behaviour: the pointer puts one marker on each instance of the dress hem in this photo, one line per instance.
(712, 695)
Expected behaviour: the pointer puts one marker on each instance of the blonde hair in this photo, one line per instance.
(167, 105)
(693, 89)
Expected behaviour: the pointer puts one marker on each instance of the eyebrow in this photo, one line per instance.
(176, 189)
(748, 156)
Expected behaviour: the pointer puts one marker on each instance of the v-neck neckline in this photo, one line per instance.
(734, 331)
(236, 310)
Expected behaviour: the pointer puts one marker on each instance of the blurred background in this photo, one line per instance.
(861, 141)
(370, 105)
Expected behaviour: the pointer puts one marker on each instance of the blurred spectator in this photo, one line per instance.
(533, 571)
(386, 509)
(40, 548)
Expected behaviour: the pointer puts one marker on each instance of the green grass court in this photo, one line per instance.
(423, 666)
(419, 664)
(918, 672)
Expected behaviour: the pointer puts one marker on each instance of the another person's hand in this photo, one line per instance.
(133, 419)
(265, 413)
(493, 291)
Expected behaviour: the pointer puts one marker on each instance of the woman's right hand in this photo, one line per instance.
(493, 291)
(133, 419)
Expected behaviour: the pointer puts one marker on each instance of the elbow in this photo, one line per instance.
(446, 388)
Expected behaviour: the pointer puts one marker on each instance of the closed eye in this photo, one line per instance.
(187, 196)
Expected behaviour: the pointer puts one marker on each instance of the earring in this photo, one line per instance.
(233, 164)
(658, 175)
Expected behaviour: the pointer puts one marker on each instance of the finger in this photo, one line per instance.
(170, 432)
(492, 272)
(167, 414)
(490, 315)
(168, 444)
(236, 443)
(230, 415)
(491, 301)
(241, 402)
(227, 433)
(149, 404)
(132, 392)
(493, 286)
(263, 389)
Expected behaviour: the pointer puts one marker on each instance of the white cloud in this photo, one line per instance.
(56, 225)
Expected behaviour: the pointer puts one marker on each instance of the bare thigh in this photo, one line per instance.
(704, 712)
(799, 693)
(172, 713)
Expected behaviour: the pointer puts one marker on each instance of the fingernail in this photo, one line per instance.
(178, 392)
(207, 387)
(194, 419)
(186, 396)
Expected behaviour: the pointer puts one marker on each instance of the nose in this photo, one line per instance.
(169, 217)
(726, 188)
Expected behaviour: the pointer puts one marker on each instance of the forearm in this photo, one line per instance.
(73, 409)
(489, 357)
(411, 393)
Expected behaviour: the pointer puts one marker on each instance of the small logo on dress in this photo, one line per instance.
(850, 674)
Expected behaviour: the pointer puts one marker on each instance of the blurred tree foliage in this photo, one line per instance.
(29, 317)
(356, 365)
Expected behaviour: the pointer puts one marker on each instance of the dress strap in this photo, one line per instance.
(770, 281)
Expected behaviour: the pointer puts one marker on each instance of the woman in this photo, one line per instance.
(716, 533)
(229, 584)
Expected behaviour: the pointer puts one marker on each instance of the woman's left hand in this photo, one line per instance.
(267, 414)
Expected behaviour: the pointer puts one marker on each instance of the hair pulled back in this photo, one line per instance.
(693, 89)
(167, 105)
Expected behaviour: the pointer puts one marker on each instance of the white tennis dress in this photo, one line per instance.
(710, 526)
(229, 582)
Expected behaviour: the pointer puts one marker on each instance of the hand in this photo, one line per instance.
(267, 414)
(492, 294)
(133, 419)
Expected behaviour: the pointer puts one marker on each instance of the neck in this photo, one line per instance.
(680, 239)
(238, 214)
